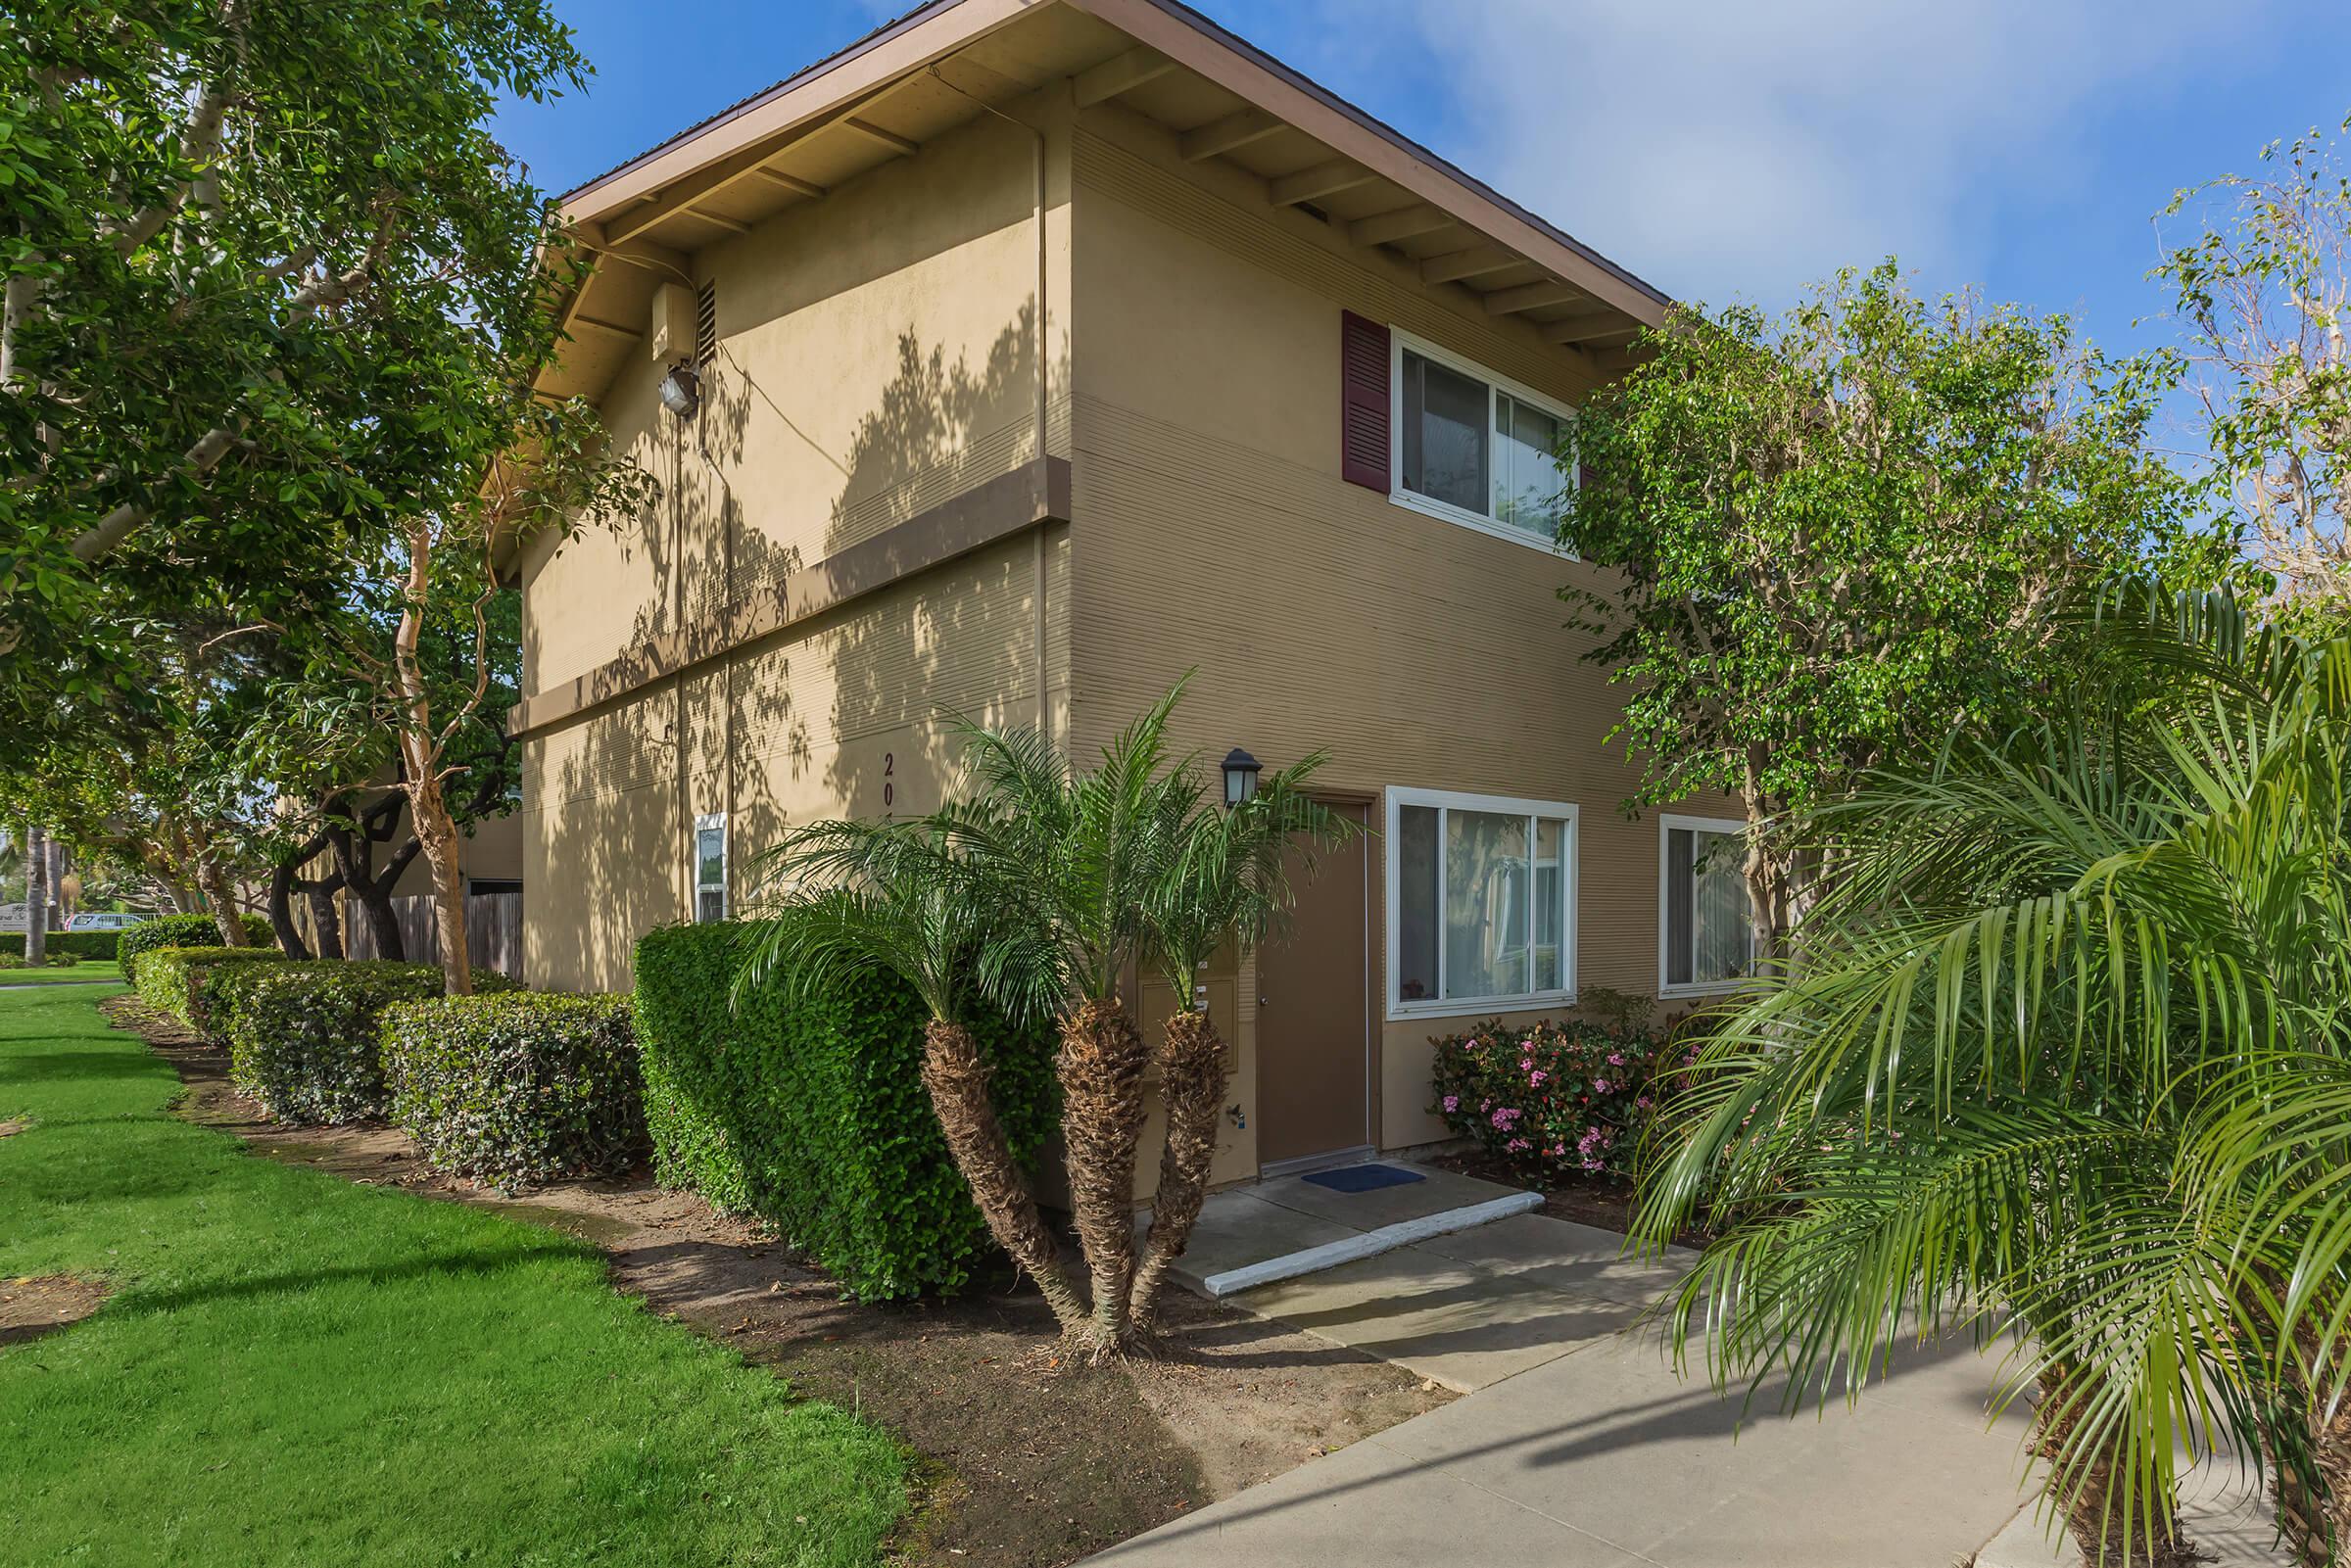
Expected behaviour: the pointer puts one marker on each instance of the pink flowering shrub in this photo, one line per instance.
(1554, 1099)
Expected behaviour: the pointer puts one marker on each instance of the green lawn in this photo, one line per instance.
(294, 1369)
(89, 969)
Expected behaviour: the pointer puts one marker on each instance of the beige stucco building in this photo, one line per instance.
(1048, 351)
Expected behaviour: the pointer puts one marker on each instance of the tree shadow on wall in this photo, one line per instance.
(614, 794)
(619, 790)
(959, 641)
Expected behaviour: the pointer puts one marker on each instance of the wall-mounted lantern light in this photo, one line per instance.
(1240, 778)
(681, 390)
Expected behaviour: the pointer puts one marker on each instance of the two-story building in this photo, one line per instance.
(1021, 358)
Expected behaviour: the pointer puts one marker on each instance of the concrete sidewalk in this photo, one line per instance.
(1577, 1446)
(1601, 1456)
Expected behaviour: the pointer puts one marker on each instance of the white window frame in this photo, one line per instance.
(726, 848)
(1668, 823)
(1485, 522)
(1570, 857)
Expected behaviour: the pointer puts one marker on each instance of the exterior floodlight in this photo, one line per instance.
(681, 390)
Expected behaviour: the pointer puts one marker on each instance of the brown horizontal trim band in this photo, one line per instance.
(1008, 505)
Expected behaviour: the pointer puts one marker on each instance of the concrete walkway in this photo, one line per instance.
(1578, 1444)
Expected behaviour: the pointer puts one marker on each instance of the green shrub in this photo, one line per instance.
(170, 980)
(11, 961)
(304, 1037)
(62, 961)
(1548, 1099)
(180, 930)
(518, 1088)
(81, 944)
(814, 1116)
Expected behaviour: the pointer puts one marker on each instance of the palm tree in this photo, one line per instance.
(1224, 882)
(2062, 1057)
(1067, 859)
(896, 897)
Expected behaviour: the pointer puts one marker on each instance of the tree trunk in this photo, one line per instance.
(281, 910)
(1191, 1085)
(1101, 1072)
(326, 919)
(354, 862)
(36, 896)
(956, 1076)
(2110, 1533)
(213, 879)
(428, 815)
(2311, 1486)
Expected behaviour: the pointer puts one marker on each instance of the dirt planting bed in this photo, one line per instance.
(1025, 1460)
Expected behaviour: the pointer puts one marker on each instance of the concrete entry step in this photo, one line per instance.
(1294, 1226)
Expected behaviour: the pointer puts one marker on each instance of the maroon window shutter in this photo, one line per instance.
(1363, 402)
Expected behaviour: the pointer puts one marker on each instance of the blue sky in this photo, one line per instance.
(1720, 147)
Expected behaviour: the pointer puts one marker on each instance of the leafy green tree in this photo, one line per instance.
(1834, 536)
(2264, 294)
(257, 255)
(2064, 1059)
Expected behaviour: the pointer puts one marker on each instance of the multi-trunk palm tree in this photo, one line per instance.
(1042, 892)
(1226, 882)
(2063, 1057)
(895, 896)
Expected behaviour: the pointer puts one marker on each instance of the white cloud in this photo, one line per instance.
(1751, 146)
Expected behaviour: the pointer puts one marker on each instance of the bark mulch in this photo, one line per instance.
(1026, 1461)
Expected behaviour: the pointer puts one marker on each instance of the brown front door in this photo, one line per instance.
(1313, 1034)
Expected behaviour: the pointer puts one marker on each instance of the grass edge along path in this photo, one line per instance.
(293, 1370)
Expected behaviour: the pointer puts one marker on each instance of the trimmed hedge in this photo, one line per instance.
(182, 931)
(173, 980)
(304, 1037)
(518, 1088)
(814, 1116)
(81, 944)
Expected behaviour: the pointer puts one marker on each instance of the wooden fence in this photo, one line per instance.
(493, 931)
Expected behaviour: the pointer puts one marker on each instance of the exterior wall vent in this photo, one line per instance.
(706, 324)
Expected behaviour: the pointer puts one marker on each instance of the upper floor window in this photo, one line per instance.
(1473, 448)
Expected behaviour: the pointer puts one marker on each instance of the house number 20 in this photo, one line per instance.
(889, 769)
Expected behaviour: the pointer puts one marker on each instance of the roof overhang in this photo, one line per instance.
(1222, 99)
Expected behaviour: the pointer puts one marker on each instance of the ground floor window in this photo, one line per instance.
(1482, 902)
(710, 868)
(1705, 927)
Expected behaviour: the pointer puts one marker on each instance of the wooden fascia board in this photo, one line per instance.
(996, 509)
(1183, 42)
